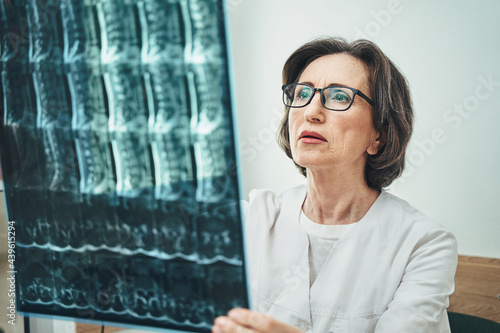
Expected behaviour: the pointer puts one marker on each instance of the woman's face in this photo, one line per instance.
(345, 137)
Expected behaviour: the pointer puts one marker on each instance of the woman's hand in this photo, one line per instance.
(246, 321)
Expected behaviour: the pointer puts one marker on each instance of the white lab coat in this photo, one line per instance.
(392, 272)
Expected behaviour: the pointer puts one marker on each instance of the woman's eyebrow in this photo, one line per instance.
(329, 85)
(336, 84)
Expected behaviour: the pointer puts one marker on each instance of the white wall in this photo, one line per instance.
(447, 50)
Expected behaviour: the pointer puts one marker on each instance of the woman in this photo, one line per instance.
(340, 254)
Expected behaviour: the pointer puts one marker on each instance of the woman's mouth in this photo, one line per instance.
(311, 137)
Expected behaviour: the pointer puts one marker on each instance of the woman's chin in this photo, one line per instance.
(314, 164)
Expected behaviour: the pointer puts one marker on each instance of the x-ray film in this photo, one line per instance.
(119, 163)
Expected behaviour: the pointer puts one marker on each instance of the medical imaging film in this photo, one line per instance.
(119, 160)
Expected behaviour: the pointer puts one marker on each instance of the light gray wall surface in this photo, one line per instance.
(449, 52)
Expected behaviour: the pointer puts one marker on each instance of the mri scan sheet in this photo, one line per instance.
(119, 161)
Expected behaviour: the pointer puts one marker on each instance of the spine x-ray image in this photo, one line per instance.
(118, 159)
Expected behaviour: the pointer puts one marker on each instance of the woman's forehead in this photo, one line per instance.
(340, 68)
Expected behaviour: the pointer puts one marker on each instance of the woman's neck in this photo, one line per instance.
(337, 198)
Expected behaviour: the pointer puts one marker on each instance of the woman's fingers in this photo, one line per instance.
(226, 325)
(259, 322)
(246, 321)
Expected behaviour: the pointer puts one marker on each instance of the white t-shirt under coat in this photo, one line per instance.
(322, 239)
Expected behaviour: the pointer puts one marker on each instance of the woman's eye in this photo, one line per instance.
(339, 96)
(303, 94)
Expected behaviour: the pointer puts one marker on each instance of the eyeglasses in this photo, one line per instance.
(336, 98)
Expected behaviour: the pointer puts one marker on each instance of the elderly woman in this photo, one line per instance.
(340, 254)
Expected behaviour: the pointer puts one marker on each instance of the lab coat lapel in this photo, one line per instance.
(294, 265)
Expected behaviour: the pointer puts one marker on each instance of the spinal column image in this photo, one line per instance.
(118, 159)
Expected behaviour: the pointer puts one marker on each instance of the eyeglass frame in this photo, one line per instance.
(354, 90)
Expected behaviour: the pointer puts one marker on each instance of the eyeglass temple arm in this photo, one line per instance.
(366, 98)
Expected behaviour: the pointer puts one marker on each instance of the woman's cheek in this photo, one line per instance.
(293, 126)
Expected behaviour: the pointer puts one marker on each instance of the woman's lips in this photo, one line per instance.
(311, 137)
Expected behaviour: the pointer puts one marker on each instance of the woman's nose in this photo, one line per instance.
(315, 111)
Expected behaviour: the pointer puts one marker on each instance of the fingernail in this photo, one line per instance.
(235, 314)
(221, 321)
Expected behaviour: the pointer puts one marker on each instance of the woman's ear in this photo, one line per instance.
(376, 144)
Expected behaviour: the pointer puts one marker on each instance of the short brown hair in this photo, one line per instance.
(392, 112)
